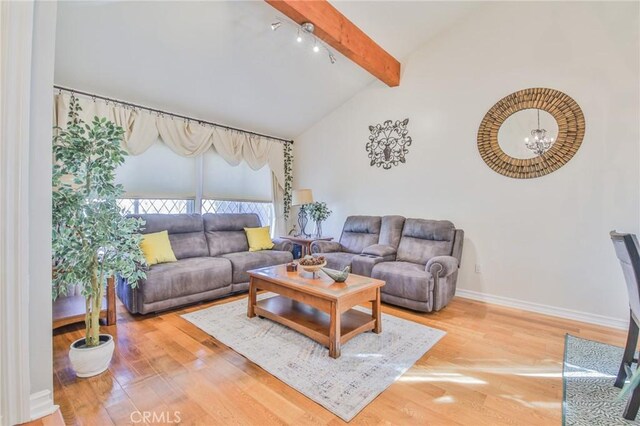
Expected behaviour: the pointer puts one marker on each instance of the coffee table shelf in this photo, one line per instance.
(313, 322)
(317, 307)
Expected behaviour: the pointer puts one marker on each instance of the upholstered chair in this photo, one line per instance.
(626, 247)
(424, 273)
(358, 233)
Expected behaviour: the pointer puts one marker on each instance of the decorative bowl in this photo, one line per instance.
(313, 268)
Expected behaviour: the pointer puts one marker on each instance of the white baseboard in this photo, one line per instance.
(42, 404)
(545, 309)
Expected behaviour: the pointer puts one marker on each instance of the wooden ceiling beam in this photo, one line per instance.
(337, 31)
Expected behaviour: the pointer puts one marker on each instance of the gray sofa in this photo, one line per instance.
(213, 259)
(417, 258)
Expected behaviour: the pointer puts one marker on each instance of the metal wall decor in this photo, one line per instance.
(388, 143)
(571, 128)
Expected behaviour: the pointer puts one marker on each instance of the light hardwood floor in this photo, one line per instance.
(495, 366)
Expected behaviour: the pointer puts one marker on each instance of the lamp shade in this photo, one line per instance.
(301, 196)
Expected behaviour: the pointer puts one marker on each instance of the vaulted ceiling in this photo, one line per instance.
(220, 61)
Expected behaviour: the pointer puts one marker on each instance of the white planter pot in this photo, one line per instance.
(89, 362)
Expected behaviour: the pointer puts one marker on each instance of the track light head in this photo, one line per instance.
(332, 58)
(308, 27)
(276, 25)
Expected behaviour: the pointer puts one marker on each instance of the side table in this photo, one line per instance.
(305, 242)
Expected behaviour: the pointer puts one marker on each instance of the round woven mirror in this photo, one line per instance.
(566, 133)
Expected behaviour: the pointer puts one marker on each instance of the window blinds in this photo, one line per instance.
(222, 181)
(161, 173)
(158, 173)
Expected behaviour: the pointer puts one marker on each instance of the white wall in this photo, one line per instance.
(542, 240)
(26, 77)
(40, 318)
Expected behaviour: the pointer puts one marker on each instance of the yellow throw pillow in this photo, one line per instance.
(259, 238)
(157, 248)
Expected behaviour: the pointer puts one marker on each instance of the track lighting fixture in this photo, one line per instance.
(306, 28)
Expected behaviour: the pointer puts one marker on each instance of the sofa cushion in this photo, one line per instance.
(360, 232)
(404, 279)
(186, 232)
(156, 248)
(259, 238)
(172, 223)
(189, 244)
(391, 230)
(184, 277)
(244, 261)
(338, 260)
(423, 239)
(225, 231)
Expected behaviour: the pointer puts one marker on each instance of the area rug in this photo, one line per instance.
(588, 374)
(368, 365)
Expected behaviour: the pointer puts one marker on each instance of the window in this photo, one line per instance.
(264, 210)
(155, 205)
(160, 181)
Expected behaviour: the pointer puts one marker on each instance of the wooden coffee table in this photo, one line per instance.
(318, 308)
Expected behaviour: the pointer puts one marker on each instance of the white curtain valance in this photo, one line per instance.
(185, 138)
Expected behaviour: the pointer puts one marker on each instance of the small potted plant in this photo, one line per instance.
(319, 212)
(91, 239)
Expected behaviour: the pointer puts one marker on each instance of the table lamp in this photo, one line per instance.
(302, 197)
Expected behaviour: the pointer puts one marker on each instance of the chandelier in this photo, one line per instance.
(539, 143)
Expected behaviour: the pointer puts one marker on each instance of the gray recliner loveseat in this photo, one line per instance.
(417, 258)
(213, 259)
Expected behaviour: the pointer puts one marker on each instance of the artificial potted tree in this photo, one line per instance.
(92, 240)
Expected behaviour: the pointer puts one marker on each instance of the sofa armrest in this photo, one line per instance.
(281, 244)
(442, 266)
(363, 264)
(325, 246)
(444, 271)
(128, 294)
(381, 250)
